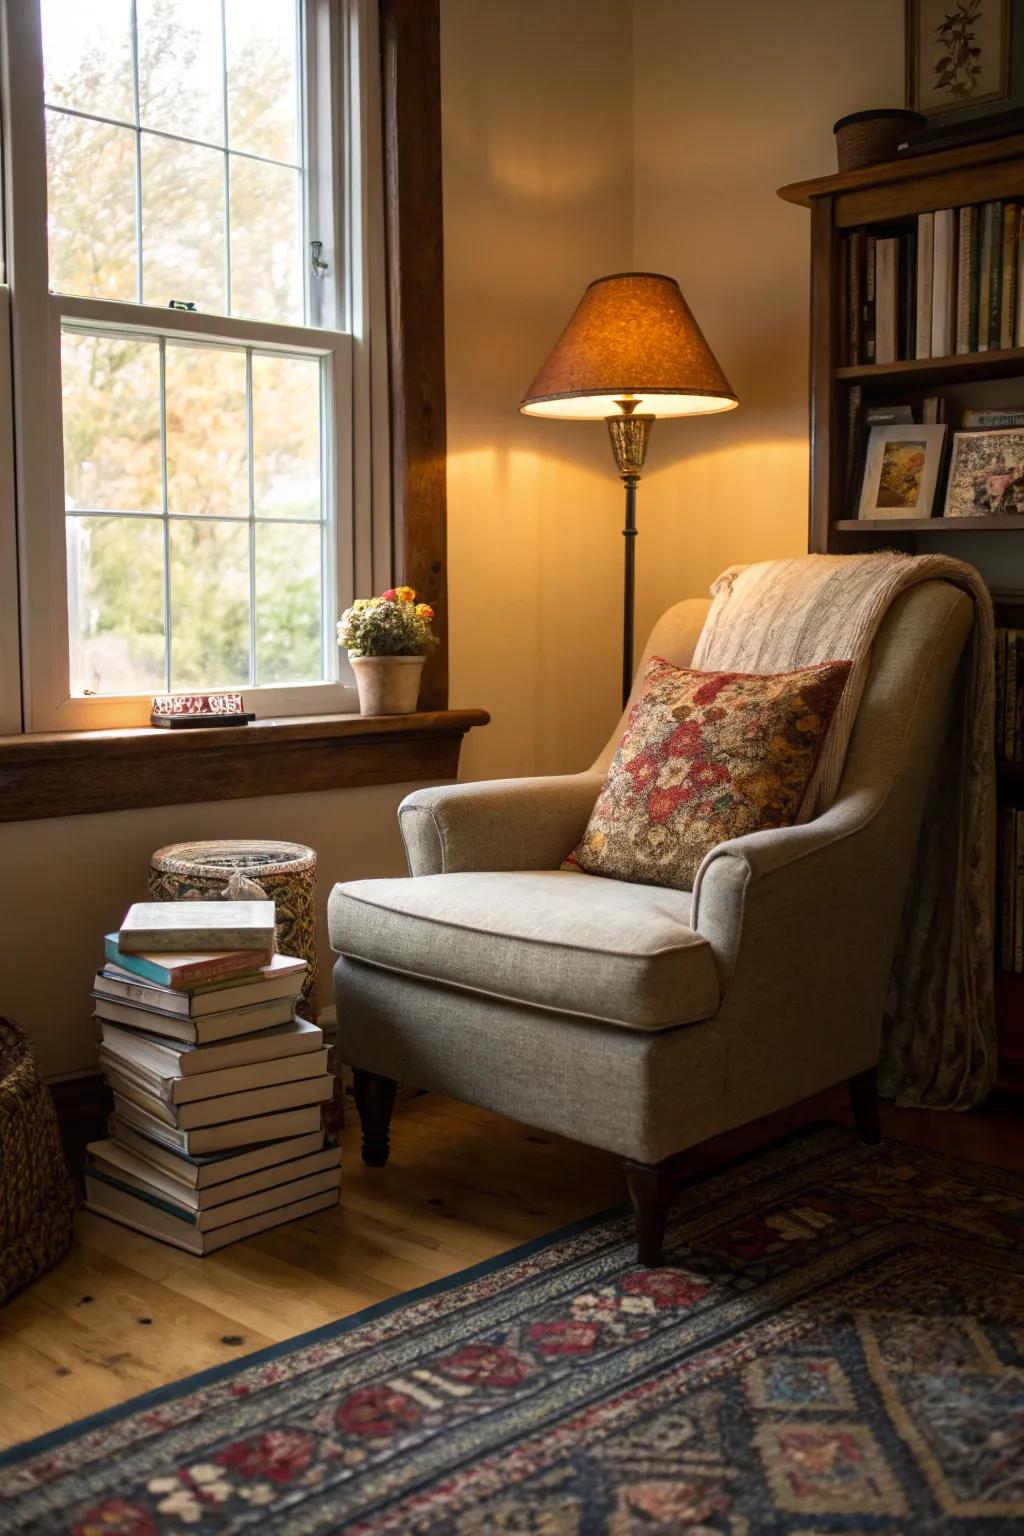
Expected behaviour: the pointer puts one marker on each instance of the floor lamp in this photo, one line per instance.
(631, 352)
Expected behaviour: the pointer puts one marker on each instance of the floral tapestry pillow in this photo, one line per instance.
(706, 756)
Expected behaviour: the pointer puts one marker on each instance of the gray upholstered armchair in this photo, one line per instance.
(631, 1017)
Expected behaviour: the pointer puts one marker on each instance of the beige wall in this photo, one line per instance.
(67, 882)
(537, 117)
(581, 138)
(731, 101)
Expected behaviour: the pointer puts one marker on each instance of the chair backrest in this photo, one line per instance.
(921, 638)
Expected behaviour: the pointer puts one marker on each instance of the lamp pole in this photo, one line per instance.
(629, 435)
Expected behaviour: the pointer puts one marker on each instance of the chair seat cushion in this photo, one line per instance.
(601, 949)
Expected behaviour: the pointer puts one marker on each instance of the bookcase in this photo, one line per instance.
(884, 199)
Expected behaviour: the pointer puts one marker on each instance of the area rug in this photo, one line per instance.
(837, 1345)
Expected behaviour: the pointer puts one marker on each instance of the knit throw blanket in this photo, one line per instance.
(939, 1036)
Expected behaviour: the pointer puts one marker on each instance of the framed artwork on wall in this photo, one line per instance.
(964, 59)
(986, 475)
(901, 471)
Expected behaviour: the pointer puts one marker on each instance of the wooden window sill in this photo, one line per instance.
(79, 773)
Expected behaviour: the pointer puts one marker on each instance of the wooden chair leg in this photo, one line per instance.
(864, 1103)
(375, 1100)
(651, 1186)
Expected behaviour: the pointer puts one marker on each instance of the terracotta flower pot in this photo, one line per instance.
(388, 685)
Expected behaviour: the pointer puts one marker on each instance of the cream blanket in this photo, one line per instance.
(939, 1041)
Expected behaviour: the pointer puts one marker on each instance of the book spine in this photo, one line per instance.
(984, 276)
(975, 274)
(853, 407)
(943, 283)
(1000, 687)
(1008, 280)
(964, 278)
(1010, 698)
(886, 288)
(1017, 868)
(870, 291)
(855, 294)
(1006, 886)
(995, 277)
(1018, 328)
(925, 270)
(908, 292)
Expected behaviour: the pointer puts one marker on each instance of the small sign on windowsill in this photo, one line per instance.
(186, 711)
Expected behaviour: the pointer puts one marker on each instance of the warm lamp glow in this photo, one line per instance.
(632, 338)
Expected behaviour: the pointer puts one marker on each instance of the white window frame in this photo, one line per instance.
(344, 199)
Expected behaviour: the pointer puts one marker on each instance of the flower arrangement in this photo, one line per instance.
(394, 624)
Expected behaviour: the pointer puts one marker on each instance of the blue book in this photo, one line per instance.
(181, 971)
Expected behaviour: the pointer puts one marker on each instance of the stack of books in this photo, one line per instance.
(216, 1132)
(943, 283)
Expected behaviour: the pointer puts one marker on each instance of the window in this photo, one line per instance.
(189, 313)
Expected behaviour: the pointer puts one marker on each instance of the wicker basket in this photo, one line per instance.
(36, 1199)
(286, 872)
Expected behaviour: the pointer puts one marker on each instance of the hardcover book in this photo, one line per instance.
(176, 926)
(180, 969)
(200, 1170)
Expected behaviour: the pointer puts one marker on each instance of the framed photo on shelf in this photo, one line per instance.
(964, 58)
(986, 475)
(901, 471)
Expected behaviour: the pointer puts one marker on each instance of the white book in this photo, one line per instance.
(944, 282)
(215, 1138)
(283, 977)
(886, 294)
(173, 1089)
(200, 1032)
(153, 1222)
(115, 1161)
(194, 926)
(226, 1106)
(925, 257)
(175, 1058)
(201, 1171)
(208, 1220)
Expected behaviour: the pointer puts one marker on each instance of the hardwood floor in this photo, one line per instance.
(123, 1313)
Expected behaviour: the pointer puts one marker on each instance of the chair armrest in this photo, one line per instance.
(801, 873)
(497, 824)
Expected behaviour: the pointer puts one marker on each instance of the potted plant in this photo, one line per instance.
(388, 638)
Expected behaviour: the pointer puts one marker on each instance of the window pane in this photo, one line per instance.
(286, 436)
(116, 604)
(207, 435)
(262, 85)
(288, 618)
(182, 224)
(91, 194)
(209, 604)
(266, 251)
(87, 56)
(111, 406)
(181, 69)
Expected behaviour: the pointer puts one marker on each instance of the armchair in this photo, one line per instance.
(634, 1018)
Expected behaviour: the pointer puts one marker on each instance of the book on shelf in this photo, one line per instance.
(228, 1082)
(281, 977)
(202, 1113)
(113, 1160)
(180, 969)
(937, 284)
(176, 926)
(154, 1221)
(175, 1058)
(215, 1138)
(202, 1170)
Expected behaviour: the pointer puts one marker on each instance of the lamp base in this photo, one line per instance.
(629, 436)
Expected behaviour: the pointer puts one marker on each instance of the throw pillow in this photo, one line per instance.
(706, 756)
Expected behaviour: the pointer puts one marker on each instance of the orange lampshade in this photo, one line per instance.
(632, 337)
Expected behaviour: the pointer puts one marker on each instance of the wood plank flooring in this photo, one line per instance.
(124, 1313)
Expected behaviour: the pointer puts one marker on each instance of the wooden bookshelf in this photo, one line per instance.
(882, 199)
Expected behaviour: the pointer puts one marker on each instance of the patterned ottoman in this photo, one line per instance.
(285, 873)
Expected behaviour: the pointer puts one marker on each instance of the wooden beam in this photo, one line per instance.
(413, 210)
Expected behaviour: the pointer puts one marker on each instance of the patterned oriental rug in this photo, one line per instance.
(838, 1347)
